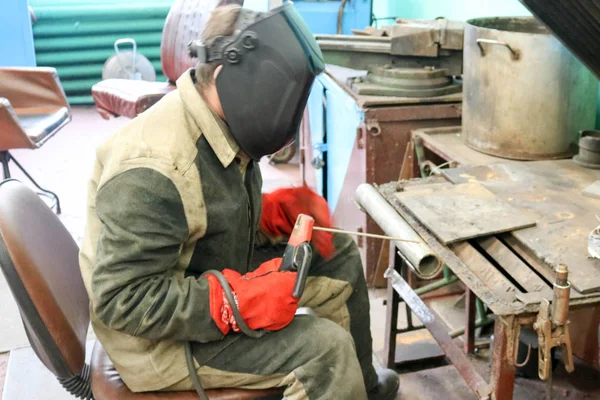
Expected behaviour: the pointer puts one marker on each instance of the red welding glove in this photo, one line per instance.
(281, 208)
(264, 298)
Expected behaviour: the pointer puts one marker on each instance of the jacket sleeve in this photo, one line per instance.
(136, 286)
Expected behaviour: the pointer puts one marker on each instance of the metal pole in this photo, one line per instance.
(426, 264)
(440, 333)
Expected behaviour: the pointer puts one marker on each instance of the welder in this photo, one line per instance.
(177, 192)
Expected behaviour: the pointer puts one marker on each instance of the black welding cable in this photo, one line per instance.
(240, 323)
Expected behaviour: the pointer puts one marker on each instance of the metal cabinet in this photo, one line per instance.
(350, 139)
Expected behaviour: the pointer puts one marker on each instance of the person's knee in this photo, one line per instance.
(335, 361)
(328, 337)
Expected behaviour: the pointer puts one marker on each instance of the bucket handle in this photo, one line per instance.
(132, 42)
(514, 53)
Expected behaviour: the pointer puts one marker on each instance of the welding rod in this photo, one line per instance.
(371, 235)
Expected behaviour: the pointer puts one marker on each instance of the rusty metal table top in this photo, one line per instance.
(476, 263)
(512, 272)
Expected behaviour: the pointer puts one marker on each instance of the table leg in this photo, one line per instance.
(408, 276)
(391, 319)
(470, 323)
(506, 340)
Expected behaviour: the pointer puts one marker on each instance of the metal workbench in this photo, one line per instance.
(510, 272)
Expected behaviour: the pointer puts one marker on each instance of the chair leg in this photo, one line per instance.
(5, 158)
(45, 192)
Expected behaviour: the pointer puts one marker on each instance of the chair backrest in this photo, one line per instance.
(184, 23)
(33, 106)
(39, 259)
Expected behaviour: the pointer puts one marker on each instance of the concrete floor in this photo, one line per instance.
(64, 166)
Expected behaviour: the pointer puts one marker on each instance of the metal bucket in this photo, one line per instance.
(526, 96)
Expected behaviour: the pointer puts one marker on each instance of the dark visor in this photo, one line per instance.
(304, 35)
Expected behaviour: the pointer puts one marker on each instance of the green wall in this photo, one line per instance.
(452, 9)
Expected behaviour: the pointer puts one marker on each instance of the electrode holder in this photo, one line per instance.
(552, 326)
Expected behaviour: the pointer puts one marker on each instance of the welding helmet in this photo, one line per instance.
(269, 65)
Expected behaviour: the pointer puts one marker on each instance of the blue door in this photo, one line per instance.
(334, 120)
(316, 115)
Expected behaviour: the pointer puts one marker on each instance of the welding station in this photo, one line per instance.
(307, 200)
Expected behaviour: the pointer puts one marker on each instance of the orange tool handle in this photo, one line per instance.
(298, 253)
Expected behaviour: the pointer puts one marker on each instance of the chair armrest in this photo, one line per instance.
(32, 89)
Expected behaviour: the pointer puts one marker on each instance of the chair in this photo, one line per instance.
(185, 21)
(33, 107)
(40, 262)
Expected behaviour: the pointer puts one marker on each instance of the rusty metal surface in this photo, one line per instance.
(585, 323)
(506, 340)
(478, 264)
(411, 44)
(454, 354)
(470, 321)
(366, 44)
(507, 102)
(379, 83)
(575, 23)
(589, 149)
(342, 74)
(464, 273)
(377, 160)
(382, 154)
(447, 143)
(476, 211)
(494, 297)
(552, 192)
(426, 38)
(518, 270)
(405, 82)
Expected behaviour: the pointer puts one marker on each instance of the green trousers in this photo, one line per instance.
(324, 357)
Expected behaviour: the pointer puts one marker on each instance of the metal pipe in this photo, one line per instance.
(562, 291)
(478, 324)
(425, 263)
(340, 17)
(436, 285)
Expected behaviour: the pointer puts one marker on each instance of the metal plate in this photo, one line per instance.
(552, 192)
(464, 211)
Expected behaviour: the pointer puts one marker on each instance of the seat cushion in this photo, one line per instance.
(40, 127)
(107, 385)
(127, 97)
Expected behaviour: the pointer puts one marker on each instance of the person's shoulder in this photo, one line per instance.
(159, 138)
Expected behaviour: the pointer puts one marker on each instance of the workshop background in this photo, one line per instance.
(350, 138)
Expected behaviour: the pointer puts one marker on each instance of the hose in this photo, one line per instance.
(341, 16)
(240, 323)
